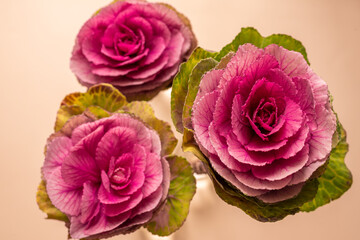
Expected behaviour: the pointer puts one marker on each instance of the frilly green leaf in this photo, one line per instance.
(180, 85)
(182, 189)
(336, 179)
(189, 145)
(251, 35)
(103, 96)
(144, 111)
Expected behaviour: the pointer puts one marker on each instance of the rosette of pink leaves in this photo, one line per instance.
(134, 45)
(262, 123)
(111, 173)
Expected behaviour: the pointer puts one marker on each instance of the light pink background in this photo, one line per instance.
(35, 44)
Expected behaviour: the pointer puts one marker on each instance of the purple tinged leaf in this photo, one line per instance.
(248, 179)
(173, 213)
(228, 174)
(282, 194)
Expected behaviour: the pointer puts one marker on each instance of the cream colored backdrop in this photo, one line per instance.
(36, 38)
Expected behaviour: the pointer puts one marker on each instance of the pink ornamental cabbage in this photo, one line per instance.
(264, 121)
(134, 45)
(107, 175)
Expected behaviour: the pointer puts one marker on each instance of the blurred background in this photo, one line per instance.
(36, 40)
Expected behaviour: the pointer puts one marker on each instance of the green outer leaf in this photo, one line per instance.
(267, 212)
(189, 145)
(46, 206)
(98, 112)
(251, 35)
(336, 179)
(180, 85)
(182, 189)
(198, 71)
(144, 111)
(103, 96)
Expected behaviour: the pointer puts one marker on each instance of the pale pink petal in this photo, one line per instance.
(239, 123)
(202, 116)
(56, 151)
(305, 97)
(294, 144)
(257, 144)
(244, 57)
(237, 150)
(221, 148)
(305, 173)
(209, 82)
(291, 63)
(143, 133)
(222, 112)
(282, 168)
(153, 174)
(65, 197)
(319, 88)
(321, 137)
